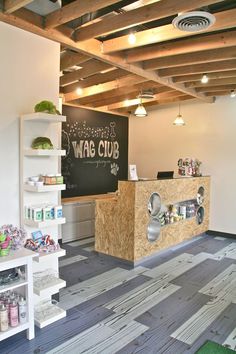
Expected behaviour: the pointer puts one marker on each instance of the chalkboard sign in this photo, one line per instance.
(96, 145)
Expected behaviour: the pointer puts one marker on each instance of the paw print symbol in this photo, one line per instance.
(114, 169)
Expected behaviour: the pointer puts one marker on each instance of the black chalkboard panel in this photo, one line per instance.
(96, 145)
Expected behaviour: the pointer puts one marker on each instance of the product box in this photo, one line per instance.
(58, 212)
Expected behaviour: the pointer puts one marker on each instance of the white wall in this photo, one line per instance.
(29, 73)
(210, 135)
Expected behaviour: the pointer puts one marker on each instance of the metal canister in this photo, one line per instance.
(182, 211)
(3, 318)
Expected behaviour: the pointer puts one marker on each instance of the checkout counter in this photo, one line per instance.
(148, 216)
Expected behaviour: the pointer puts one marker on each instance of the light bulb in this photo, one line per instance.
(79, 91)
(204, 79)
(132, 38)
(232, 94)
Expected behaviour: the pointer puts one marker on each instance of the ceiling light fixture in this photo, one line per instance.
(204, 79)
(179, 121)
(232, 93)
(132, 38)
(140, 110)
(79, 91)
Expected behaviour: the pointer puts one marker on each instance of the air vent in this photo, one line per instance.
(193, 21)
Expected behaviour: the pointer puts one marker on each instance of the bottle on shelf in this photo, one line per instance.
(14, 318)
(22, 310)
(3, 318)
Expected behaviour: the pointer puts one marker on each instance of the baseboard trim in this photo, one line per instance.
(221, 234)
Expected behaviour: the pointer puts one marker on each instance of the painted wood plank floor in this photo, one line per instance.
(171, 304)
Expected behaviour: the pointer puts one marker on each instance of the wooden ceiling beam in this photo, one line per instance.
(136, 101)
(93, 48)
(198, 68)
(160, 102)
(90, 67)
(154, 11)
(216, 88)
(70, 58)
(95, 80)
(74, 10)
(182, 46)
(123, 93)
(14, 5)
(128, 80)
(218, 93)
(212, 82)
(224, 20)
(191, 58)
(196, 77)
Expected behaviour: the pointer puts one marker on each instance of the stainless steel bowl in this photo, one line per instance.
(154, 204)
(153, 230)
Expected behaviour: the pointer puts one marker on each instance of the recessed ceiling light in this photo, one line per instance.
(132, 38)
(79, 91)
(204, 79)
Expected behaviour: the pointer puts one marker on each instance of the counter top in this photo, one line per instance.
(89, 198)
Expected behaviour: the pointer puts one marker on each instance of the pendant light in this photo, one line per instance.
(140, 110)
(179, 119)
(232, 93)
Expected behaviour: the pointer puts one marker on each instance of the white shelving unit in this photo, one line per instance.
(22, 257)
(32, 163)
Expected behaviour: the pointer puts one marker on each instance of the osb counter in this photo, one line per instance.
(121, 224)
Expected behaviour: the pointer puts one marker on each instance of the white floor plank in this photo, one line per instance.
(230, 341)
(81, 242)
(177, 266)
(100, 339)
(219, 238)
(221, 282)
(228, 252)
(88, 289)
(132, 305)
(71, 260)
(89, 249)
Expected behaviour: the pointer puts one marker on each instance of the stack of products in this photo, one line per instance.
(5, 244)
(49, 179)
(41, 243)
(11, 237)
(13, 310)
(43, 212)
(189, 167)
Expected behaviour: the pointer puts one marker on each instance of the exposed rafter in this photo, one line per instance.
(155, 11)
(186, 45)
(70, 58)
(13, 5)
(191, 58)
(224, 20)
(73, 10)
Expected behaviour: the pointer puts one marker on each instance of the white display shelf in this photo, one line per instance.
(13, 330)
(47, 223)
(44, 117)
(44, 188)
(13, 285)
(44, 152)
(41, 257)
(50, 288)
(49, 313)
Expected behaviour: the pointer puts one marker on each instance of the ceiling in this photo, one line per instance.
(102, 70)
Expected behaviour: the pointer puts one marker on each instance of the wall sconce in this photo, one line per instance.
(179, 121)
